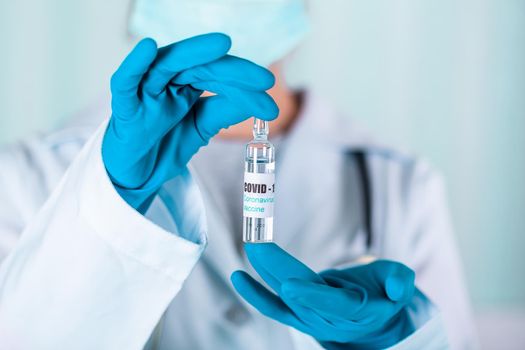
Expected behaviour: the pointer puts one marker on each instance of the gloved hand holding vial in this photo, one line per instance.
(259, 186)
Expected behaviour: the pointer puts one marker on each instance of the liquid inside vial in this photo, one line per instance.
(259, 186)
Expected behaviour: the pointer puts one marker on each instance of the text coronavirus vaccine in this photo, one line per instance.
(258, 199)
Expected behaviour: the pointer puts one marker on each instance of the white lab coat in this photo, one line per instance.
(83, 270)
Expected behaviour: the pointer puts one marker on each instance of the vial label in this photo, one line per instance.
(258, 195)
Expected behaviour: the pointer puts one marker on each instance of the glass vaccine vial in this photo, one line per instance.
(259, 186)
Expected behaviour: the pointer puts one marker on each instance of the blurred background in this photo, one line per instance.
(443, 78)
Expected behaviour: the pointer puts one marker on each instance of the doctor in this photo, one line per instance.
(108, 241)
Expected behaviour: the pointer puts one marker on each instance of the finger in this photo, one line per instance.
(257, 103)
(126, 80)
(263, 300)
(229, 70)
(182, 55)
(399, 286)
(393, 279)
(397, 280)
(331, 302)
(378, 307)
(217, 112)
(276, 266)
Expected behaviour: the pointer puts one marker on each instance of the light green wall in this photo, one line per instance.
(57, 56)
(444, 78)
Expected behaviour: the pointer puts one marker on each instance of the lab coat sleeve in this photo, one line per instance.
(89, 272)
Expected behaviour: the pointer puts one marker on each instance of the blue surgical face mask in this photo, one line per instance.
(263, 31)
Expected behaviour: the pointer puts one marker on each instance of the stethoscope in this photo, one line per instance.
(366, 193)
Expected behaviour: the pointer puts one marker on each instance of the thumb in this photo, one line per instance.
(217, 112)
(399, 282)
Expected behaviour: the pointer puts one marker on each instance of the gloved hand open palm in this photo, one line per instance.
(361, 306)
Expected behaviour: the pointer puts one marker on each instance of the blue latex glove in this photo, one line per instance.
(159, 119)
(361, 307)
